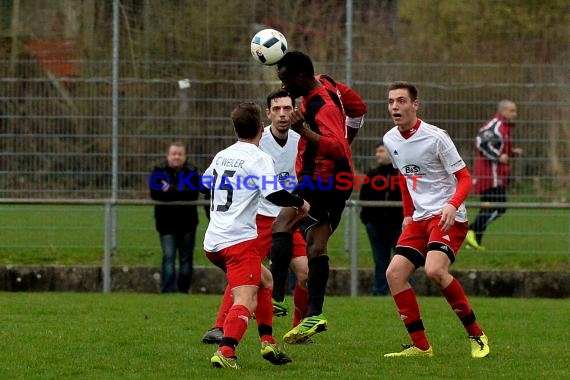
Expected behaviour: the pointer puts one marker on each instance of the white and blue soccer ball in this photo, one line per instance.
(268, 46)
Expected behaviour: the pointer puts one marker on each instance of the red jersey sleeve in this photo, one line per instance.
(353, 104)
(464, 184)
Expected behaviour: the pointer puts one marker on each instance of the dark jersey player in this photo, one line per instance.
(324, 152)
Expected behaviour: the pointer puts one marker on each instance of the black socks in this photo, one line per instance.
(317, 284)
(281, 254)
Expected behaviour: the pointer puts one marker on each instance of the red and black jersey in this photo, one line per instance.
(324, 113)
(351, 101)
(494, 139)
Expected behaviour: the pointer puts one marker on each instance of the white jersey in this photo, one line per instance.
(284, 162)
(237, 177)
(428, 160)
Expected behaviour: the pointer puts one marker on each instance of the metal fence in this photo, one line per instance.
(56, 132)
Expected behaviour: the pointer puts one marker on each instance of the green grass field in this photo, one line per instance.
(141, 336)
(73, 235)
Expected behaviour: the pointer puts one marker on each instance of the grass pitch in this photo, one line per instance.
(142, 336)
(74, 235)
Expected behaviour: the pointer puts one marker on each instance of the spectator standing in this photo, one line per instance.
(383, 224)
(176, 224)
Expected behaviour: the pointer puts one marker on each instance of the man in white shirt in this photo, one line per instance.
(280, 142)
(435, 182)
(237, 177)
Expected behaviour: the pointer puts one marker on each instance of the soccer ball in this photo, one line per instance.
(268, 46)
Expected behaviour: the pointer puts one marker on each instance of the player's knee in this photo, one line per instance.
(315, 250)
(302, 276)
(398, 272)
(317, 245)
(394, 275)
(435, 274)
(247, 300)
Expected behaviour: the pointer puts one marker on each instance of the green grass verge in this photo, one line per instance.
(74, 235)
(141, 336)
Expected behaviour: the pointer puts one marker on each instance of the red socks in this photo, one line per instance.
(301, 300)
(264, 310)
(455, 296)
(409, 310)
(234, 327)
(225, 306)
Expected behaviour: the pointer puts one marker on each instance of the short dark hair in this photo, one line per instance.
(412, 90)
(246, 118)
(281, 93)
(380, 143)
(297, 63)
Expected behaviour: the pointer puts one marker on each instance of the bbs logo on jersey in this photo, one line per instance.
(285, 179)
(411, 169)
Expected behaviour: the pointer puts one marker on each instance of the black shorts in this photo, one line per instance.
(326, 206)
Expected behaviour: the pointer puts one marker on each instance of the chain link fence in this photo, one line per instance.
(56, 134)
(56, 131)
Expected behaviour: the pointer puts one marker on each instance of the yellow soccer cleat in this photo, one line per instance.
(272, 353)
(410, 350)
(479, 346)
(220, 361)
(471, 241)
(280, 309)
(306, 328)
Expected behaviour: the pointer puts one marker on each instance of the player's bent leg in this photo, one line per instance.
(281, 251)
(437, 269)
(264, 311)
(266, 278)
(299, 265)
(215, 334)
(398, 273)
(235, 325)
